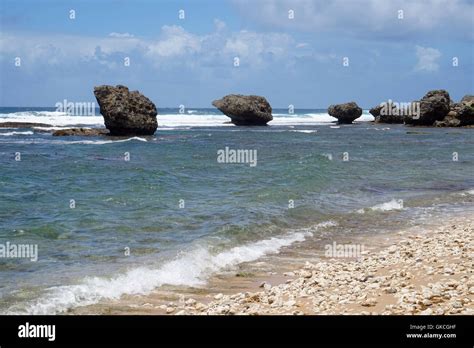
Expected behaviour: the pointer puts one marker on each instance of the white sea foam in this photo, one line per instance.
(102, 142)
(394, 204)
(61, 119)
(6, 134)
(309, 119)
(51, 128)
(85, 142)
(304, 131)
(192, 120)
(469, 192)
(53, 118)
(191, 268)
(171, 128)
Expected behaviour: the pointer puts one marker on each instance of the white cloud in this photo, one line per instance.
(220, 25)
(121, 35)
(302, 45)
(174, 46)
(64, 48)
(364, 17)
(256, 47)
(427, 58)
(175, 41)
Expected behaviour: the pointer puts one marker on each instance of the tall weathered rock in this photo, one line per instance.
(126, 113)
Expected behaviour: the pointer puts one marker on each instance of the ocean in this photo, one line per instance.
(124, 216)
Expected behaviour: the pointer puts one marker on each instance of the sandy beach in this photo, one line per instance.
(416, 271)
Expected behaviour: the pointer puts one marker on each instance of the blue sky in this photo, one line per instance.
(391, 54)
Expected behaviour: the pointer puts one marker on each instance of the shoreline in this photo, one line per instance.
(419, 270)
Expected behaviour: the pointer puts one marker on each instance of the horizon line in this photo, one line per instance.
(187, 108)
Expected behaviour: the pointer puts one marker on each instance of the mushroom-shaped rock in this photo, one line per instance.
(245, 110)
(345, 113)
(126, 113)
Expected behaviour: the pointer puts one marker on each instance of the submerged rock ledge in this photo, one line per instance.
(81, 132)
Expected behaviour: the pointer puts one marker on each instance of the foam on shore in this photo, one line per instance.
(394, 204)
(190, 268)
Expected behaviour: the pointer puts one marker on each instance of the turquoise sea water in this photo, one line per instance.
(184, 216)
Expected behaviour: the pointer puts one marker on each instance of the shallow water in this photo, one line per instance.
(184, 216)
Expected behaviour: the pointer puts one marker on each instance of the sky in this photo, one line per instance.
(306, 53)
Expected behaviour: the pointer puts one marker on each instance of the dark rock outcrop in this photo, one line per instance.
(375, 111)
(125, 112)
(434, 106)
(381, 116)
(468, 100)
(345, 113)
(460, 114)
(80, 132)
(245, 110)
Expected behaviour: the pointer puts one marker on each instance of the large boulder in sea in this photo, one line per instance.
(382, 116)
(434, 106)
(345, 113)
(126, 113)
(245, 110)
(460, 114)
